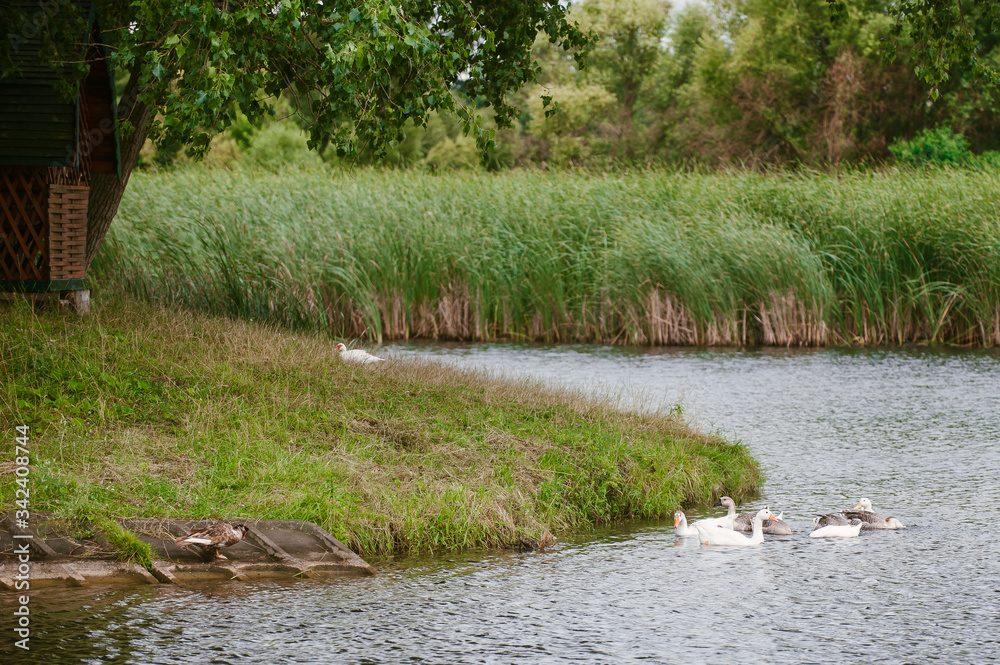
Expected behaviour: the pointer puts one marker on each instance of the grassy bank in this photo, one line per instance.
(143, 410)
(647, 258)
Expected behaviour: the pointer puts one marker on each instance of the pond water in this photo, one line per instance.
(916, 431)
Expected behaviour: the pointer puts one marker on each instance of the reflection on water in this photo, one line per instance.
(918, 432)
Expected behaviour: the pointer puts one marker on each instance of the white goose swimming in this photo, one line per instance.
(870, 520)
(725, 522)
(681, 527)
(356, 356)
(713, 535)
(838, 530)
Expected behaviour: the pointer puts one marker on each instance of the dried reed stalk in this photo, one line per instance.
(785, 321)
(661, 320)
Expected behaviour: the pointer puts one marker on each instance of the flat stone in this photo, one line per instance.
(76, 574)
(272, 548)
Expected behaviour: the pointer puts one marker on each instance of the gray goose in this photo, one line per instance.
(870, 520)
(724, 522)
(775, 527)
(831, 520)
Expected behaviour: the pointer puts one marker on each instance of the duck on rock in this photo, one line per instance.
(213, 537)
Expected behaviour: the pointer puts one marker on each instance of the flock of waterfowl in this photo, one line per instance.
(729, 530)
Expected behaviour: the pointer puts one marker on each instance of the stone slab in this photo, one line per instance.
(76, 555)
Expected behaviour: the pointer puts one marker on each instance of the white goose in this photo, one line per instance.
(837, 530)
(356, 356)
(725, 522)
(681, 527)
(713, 535)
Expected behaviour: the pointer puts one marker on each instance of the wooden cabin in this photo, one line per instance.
(49, 148)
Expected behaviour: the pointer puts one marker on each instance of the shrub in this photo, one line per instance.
(279, 144)
(989, 159)
(458, 153)
(931, 147)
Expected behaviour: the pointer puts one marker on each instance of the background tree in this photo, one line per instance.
(771, 83)
(751, 82)
(356, 72)
(629, 44)
(943, 35)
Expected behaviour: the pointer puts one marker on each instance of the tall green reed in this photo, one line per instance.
(648, 258)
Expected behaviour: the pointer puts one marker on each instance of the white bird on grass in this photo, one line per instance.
(714, 535)
(356, 356)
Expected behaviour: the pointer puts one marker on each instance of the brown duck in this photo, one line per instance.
(215, 536)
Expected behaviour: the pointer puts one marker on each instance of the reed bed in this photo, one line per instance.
(743, 258)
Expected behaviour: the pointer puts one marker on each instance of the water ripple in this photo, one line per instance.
(916, 431)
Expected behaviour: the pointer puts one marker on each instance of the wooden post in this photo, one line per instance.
(68, 239)
(68, 231)
(79, 301)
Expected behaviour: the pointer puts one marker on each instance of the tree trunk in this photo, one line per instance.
(106, 190)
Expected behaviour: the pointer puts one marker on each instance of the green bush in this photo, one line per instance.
(933, 147)
(458, 153)
(243, 131)
(280, 144)
(988, 159)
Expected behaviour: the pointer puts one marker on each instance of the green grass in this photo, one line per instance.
(643, 258)
(141, 410)
(127, 545)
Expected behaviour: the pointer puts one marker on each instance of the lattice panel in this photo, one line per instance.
(68, 231)
(24, 223)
